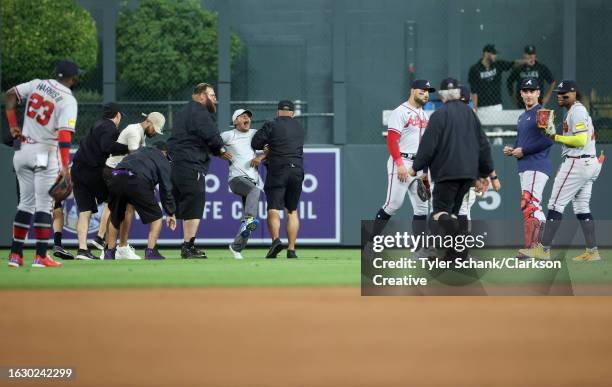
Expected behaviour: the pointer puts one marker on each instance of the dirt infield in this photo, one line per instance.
(305, 337)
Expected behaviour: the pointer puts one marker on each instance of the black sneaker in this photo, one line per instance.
(60, 252)
(275, 248)
(85, 255)
(153, 254)
(192, 252)
(98, 243)
(291, 254)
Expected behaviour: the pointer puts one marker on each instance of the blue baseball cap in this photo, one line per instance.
(66, 69)
(530, 83)
(449, 83)
(422, 84)
(566, 86)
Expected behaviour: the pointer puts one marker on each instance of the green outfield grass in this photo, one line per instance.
(315, 267)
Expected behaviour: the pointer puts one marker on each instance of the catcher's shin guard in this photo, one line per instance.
(532, 232)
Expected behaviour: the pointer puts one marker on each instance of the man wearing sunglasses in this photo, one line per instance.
(574, 181)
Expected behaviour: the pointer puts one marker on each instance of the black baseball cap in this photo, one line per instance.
(449, 83)
(286, 105)
(66, 69)
(530, 49)
(465, 93)
(530, 83)
(110, 110)
(489, 48)
(566, 86)
(422, 84)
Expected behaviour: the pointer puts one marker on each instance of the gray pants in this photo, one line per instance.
(249, 192)
(37, 167)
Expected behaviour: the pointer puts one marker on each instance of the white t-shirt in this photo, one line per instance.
(239, 145)
(50, 106)
(410, 123)
(134, 137)
(578, 121)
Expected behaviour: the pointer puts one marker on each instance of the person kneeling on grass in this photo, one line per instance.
(133, 182)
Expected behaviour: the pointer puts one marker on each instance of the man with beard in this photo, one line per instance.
(194, 137)
(576, 175)
(406, 126)
(134, 137)
(485, 79)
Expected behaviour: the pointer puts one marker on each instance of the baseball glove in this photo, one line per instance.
(423, 189)
(546, 121)
(62, 188)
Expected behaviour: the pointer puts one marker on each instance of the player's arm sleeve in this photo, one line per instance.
(394, 132)
(64, 137)
(485, 160)
(208, 132)
(109, 144)
(541, 143)
(165, 186)
(577, 141)
(261, 137)
(429, 142)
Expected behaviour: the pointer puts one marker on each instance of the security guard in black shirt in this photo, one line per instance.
(194, 137)
(284, 137)
(133, 182)
(88, 185)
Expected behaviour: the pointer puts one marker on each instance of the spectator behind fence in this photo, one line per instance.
(531, 69)
(485, 79)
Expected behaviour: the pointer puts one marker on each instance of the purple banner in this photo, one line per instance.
(319, 207)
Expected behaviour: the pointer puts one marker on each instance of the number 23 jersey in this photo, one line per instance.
(50, 106)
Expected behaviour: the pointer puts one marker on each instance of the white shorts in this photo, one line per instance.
(396, 191)
(574, 183)
(534, 183)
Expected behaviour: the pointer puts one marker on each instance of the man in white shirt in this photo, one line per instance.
(244, 179)
(134, 137)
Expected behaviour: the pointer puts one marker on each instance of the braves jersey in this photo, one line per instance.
(50, 106)
(578, 121)
(410, 123)
(535, 145)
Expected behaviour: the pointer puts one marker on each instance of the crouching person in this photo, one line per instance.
(133, 182)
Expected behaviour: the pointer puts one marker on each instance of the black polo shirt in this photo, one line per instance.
(486, 82)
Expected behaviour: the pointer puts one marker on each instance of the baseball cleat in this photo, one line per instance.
(60, 252)
(15, 260)
(236, 254)
(45, 262)
(86, 255)
(97, 242)
(275, 248)
(588, 256)
(126, 252)
(537, 252)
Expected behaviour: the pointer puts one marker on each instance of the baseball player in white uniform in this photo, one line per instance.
(134, 137)
(406, 126)
(244, 179)
(50, 120)
(575, 178)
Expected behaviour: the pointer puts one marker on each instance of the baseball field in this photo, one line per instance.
(258, 322)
